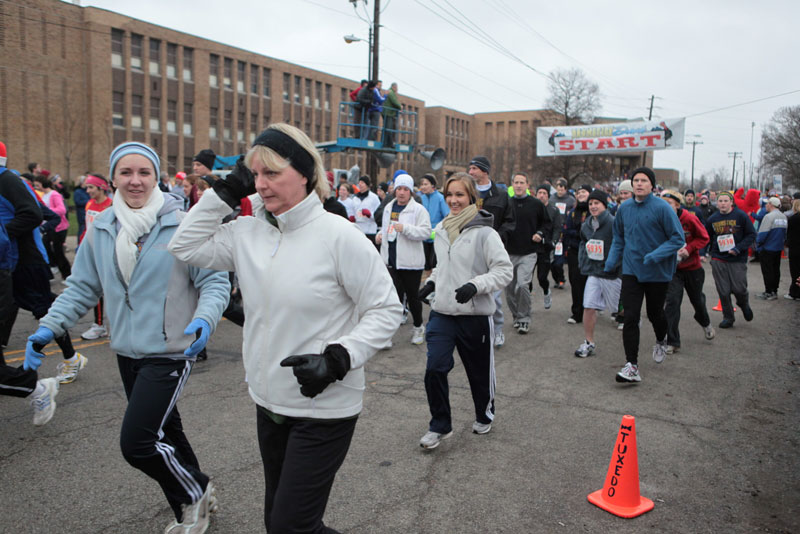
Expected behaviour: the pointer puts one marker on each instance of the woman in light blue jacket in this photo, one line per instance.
(437, 208)
(150, 298)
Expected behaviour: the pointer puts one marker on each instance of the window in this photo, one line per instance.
(227, 73)
(155, 115)
(226, 127)
(307, 98)
(287, 80)
(172, 60)
(328, 97)
(254, 79)
(317, 94)
(240, 70)
(213, 120)
(172, 164)
(117, 37)
(297, 82)
(240, 127)
(155, 57)
(266, 74)
(136, 111)
(187, 119)
(172, 116)
(188, 64)
(213, 70)
(136, 51)
(118, 108)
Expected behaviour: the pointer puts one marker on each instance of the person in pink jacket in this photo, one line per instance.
(55, 240)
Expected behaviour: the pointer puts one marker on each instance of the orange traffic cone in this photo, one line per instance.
(620, 493)
(718, 307)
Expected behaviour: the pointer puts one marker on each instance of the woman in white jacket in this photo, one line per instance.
(472, 265)
(318, 302)
(406, 224)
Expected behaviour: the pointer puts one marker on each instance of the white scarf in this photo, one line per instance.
(134, 224)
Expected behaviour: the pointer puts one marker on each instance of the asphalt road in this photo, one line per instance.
(717, 437)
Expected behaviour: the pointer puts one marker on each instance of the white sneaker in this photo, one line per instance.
(571, 321)
(95, 331)
(195, 516)
(629, 373)
(44, 405)
(481, 428)
(499, 340)
(548, 300)
(418, 336)
(431, 440)
(660, 351)
(621, 326)
(404, 320)
(671, 349)
(586, 349)
(709, 332)
(68, 372)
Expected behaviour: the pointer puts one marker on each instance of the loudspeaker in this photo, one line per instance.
(385, 159)
(436, 157)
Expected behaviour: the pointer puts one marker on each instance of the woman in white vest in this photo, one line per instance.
(406, 224)
(318, 303)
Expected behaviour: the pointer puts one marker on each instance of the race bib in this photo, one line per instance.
(594, 248)
(559, 249)
(562, 207)
(391, 235)
(725, 242)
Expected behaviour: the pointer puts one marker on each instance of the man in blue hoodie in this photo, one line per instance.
(647, 237)
(770, 240)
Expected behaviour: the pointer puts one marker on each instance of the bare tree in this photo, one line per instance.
(573, 95)
(780, 142)
(72, 137)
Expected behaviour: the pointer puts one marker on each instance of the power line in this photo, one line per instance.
(743, 103)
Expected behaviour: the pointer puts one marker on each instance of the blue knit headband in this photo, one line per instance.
(132, 147)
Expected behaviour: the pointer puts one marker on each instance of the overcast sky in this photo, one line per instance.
(694, 56)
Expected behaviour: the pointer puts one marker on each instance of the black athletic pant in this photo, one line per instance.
(473, 336)
(430, 255)
(542, 270)
(301, 458)
(577, 283)
(16, 381)
(152, 438)
(770, 269)
(691, 281)
(557, 268)
(31, 290)
(59, 258)
(633, 294)
(406, 282)
(794, 271)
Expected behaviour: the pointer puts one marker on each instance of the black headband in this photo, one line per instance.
(290, 150)
(673, 197)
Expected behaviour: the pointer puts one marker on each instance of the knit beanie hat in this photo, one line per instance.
(397, 173)
(545, 187)
(404, 180)
(587, 187)
(599, 194)
(132, 147)
(647, 171)
(482, 162)
(206, 157)
(688, 191)
(625, 185)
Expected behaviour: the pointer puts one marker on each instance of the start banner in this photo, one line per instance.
(610, 138)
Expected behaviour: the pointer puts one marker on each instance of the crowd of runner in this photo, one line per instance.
(160, 260)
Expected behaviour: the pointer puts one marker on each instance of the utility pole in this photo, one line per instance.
(694, 145)
(652, 99)
(733, 173)
(752, 130)
(372, 162)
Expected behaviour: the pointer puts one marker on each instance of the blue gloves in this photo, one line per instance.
(33, 355)
(203, 330)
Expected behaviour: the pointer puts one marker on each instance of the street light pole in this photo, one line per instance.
(752, 130)
(733, 173)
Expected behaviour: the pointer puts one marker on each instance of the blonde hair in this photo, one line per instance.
(796, 205)
(274, 162)
(673, 193)
(468, 183)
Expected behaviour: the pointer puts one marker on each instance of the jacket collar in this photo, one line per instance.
(301, 214)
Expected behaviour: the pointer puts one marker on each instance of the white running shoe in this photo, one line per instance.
(44, 404)
(95, 331)
(68, 371)
(571, 321)
(709, 332)
(621, 326)
(418, 336)
(499, 340)
(672, 349)
(431, 440)
(548, 300)
(404, 320)
(481, 428)
(586, 349)
(629, 373)
(195, 516)
(660, 351)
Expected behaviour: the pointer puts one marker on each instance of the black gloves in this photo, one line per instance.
(426, 290)
(237, 185)
(466, 292)
(315, 371)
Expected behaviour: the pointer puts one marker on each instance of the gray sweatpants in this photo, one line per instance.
(730, 278)
(518, 293)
